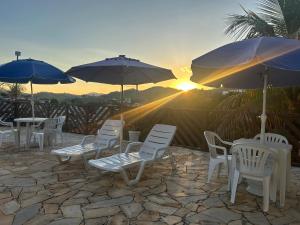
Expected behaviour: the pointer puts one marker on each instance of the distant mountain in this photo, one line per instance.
(143, 96)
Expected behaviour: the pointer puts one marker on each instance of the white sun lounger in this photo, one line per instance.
(108, 137)
(154, 148)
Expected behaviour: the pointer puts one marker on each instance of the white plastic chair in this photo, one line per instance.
(255, 162)
(216, 160)
(273, 138)
(108, 136)
(60, 123)
(6, 134)
(45, 130)
(154, 148)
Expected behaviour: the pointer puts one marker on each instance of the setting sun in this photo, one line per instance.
(186, 86)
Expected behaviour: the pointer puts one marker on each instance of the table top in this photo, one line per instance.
(282, 146)
(30, 119)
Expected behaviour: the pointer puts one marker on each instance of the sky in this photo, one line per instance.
(66, 33)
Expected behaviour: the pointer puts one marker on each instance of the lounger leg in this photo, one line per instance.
(62, 161)
(173, 163)
(138, 176)
(85, 161)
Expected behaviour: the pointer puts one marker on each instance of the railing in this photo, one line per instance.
(79, 119)
(190, 123)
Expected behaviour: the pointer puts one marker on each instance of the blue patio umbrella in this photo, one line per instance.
(252, 63)
(33, 71)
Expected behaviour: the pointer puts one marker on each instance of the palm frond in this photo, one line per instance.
(249, 25)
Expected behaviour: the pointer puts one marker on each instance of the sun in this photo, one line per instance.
(186, 86)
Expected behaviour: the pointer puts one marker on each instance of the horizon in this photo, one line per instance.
(168, 34)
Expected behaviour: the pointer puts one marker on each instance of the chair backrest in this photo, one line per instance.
(160, 136)
(210, 138)
(273, 138)
(252, 158)
(110, 129)
(49, 125)
(60, 122)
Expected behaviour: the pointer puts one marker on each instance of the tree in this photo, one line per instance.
(274, 18)
(15, 90)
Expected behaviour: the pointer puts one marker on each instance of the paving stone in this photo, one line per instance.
(10, 207)
(33, 200)
(132, 210)
(172, 219)
(60, 199)
(256, 218)
(96, 221)
(83, 194)
(118, 219)
(100, 212)
(71, 211)
(18, 182)
(66, 221)
(5, 195)
(111, 202)
(50, 208)
(26, 214)
(159, 208)
(149, 216)
(6, 219)
(4, 172)
(163, 200)
(115, 193)
(42, 219)
(217, 215)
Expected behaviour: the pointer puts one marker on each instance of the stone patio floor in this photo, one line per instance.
(36, 189)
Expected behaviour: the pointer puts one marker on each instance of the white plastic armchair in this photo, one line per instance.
(8, 133)
(44, 130)
(255, 162)
(154, 148)
(215, 159)
(59, 126)
(108, 137)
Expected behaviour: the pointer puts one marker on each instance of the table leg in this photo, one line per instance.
(18, 135)
(27, 135)
(284, 168)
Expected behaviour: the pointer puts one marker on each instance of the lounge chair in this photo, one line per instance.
(107, 138)
(154, 148)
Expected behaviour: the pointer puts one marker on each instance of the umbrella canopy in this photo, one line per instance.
(121, 71)
(252, 63)
(241, 64)
(33, 71)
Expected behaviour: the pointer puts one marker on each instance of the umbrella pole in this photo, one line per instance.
(122, 119)
(32, 100)
(263, 116)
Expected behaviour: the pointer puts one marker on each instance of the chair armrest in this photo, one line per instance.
(132, 144)
(157, 151)
(110, 142)
(227, 143)
(219, 147)
(7, 124)
(87, 138)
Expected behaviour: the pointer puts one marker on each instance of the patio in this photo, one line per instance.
(36, 189)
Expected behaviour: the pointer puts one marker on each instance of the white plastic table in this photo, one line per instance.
(28, 121)
(284, 166)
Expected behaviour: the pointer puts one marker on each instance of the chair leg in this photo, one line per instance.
(61, 138)
(85, 161)
(41, 142)
(234, 184)
(219, 167)
(211, 168)
(266, 193)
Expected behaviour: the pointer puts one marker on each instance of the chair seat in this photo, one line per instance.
(229, 157)
(117, 162)
(77, 150)
(10, 131)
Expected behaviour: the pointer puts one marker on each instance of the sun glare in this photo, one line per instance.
(186, 86)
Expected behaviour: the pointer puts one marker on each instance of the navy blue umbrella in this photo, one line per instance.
(252, 63)
(33, 71)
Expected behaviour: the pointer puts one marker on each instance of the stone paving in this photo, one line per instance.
(35, 190)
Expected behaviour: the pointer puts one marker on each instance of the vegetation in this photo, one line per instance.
(274, 18)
